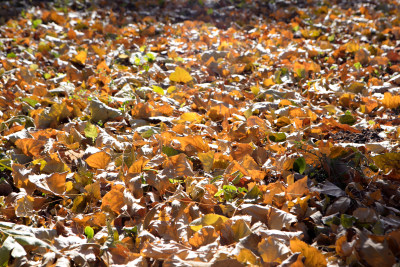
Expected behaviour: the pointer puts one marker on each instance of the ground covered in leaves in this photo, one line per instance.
(200, 133)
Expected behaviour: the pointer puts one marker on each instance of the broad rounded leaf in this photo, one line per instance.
(180, 75)
(99, 160)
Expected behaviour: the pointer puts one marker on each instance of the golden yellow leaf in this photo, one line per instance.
(343, 248)
(207, 159)
(246, 256)
(208, 219)
(268, 82)
(389, 162)
(314, 258)
(180, 75)
(190, 117)
(98, 160)
(330, 108)
(80, 58)
(285, 102)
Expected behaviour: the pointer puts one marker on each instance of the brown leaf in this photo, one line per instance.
(176, 166)
(376, 254)
(271, 250)
(21, 178)
(204, 236)
(24, 206)
(279, 219)
(94, 190)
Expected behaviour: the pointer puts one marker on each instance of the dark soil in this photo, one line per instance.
(367, 135)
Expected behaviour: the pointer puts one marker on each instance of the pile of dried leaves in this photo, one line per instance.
(200, 133)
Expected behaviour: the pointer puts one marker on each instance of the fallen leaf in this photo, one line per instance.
(113, 200)
(204, 236)
(180, 75)
(80, 58)
(30, 147)
(314, 258)
(272, 250)
(99, 160)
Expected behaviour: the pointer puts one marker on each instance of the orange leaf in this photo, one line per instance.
(194, 141)
(30, 147)
(56, 182)
(138, 165)
(390, 101)
(314, 258)
(114, 200)
(98, 160)
(298, 189)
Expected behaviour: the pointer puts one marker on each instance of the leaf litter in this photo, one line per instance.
(250, 133)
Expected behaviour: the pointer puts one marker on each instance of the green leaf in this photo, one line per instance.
(11, 55)
(169, 151)
(331, 219)
(150, 57)
(347, 119)
(30, 101)
(36, 23)
(91, 131)
(5, 250)
(147, 134)
(347, 221)
(89, 232)
(299, 165)
(357, 65)
(110, 238)
(277, 137)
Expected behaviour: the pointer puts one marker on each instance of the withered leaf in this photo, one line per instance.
(30, 147)
(113, 200)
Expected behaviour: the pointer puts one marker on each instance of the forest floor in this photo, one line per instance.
(200, 133)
